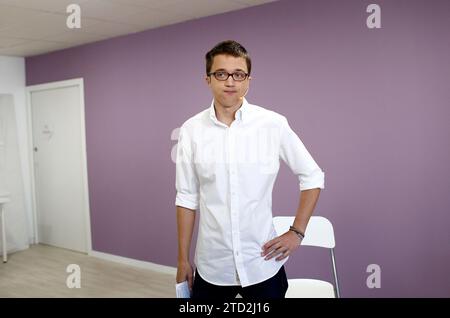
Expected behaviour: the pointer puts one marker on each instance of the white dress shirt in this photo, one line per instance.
(228, 173)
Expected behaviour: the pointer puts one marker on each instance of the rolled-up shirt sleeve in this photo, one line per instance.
(294, 153)
(186, 183)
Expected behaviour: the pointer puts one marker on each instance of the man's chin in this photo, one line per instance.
(230, 103)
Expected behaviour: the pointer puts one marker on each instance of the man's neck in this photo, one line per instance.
(226, 115)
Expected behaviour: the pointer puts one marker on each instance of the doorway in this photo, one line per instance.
(60, 193)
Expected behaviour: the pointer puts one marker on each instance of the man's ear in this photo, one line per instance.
(208, 80)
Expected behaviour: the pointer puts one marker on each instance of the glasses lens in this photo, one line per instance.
(221, 76)
(239, 76)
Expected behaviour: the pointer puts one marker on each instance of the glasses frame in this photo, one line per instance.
(229, 74)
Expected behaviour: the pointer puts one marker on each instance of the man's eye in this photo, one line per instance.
(221, 74)
(239, 74)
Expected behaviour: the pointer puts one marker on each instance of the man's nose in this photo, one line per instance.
(229, 81)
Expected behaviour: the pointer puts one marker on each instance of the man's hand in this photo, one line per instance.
(282, 245)
(185, 272)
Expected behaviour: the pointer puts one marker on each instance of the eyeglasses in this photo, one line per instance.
(238, 76)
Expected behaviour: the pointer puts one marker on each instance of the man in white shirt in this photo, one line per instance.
(228, 157)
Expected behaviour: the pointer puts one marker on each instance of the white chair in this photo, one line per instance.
(319, 233)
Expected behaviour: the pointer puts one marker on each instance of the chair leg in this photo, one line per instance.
(336, 283)
(2, 219)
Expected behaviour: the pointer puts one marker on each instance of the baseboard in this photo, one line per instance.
(134, 262)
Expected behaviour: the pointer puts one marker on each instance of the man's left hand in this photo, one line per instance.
(281, 246)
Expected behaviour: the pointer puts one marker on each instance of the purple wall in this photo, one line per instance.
(372, 106)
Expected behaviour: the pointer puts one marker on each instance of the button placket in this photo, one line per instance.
(234, 198)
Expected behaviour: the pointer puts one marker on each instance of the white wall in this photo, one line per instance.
(12, 81)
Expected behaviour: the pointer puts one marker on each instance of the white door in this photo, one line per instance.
(57, 120)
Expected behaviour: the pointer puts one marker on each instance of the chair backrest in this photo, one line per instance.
(319, 231)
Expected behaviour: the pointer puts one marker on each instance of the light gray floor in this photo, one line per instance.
(40, 271)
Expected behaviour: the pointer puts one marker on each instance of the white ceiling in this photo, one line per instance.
(32, 27)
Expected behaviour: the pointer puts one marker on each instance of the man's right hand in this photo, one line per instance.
(185, 272)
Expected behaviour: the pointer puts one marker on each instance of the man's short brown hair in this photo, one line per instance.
(228, 47)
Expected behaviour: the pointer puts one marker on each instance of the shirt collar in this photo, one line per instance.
(241, 114)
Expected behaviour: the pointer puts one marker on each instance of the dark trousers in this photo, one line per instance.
(273, 288)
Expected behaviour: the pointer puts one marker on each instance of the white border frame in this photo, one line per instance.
(52, 85)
